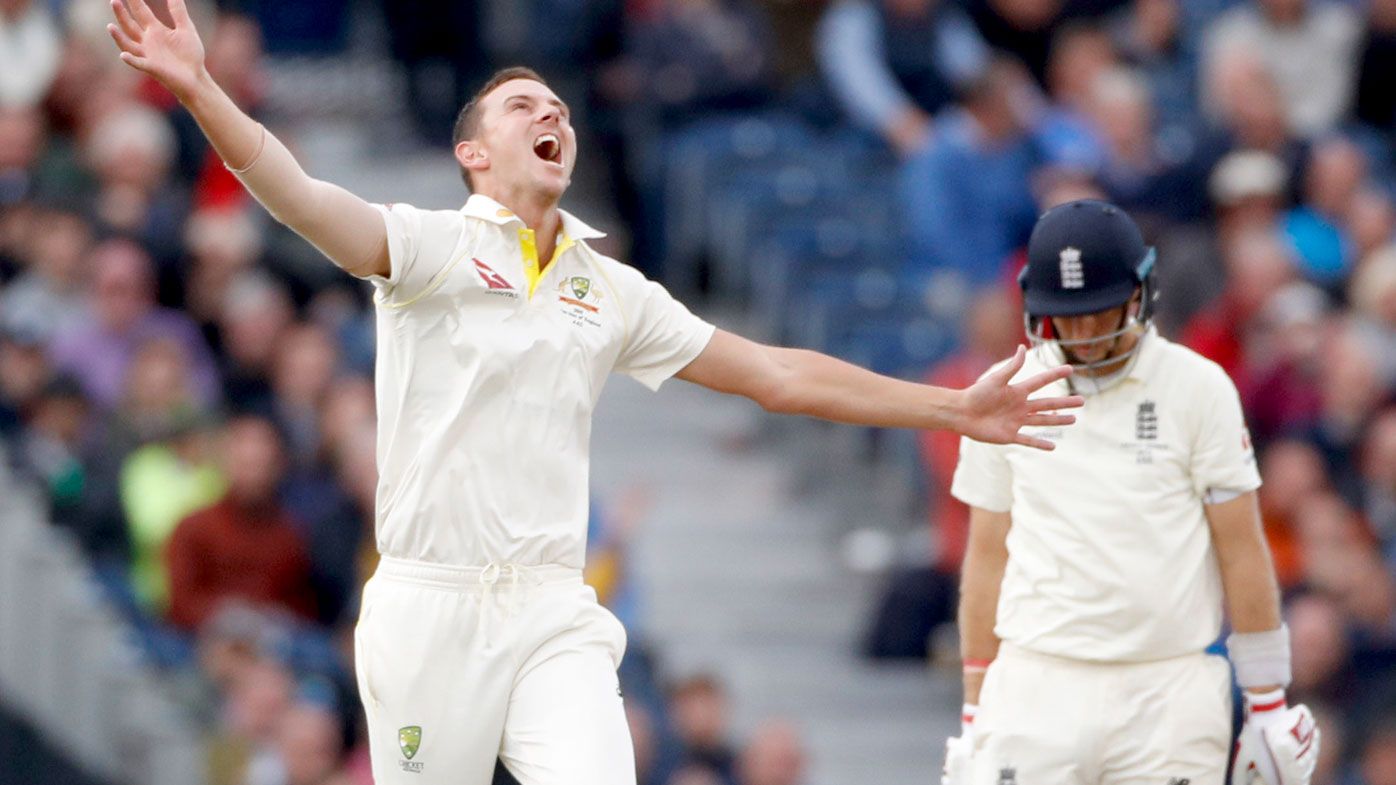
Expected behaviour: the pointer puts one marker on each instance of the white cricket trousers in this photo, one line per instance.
(1047, 720)
(459, 666)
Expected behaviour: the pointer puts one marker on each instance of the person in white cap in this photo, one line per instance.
(497, 327)
(1093, 586)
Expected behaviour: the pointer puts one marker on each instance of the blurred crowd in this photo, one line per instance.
(192, 385)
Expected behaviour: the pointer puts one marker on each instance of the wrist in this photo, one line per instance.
(200, 89)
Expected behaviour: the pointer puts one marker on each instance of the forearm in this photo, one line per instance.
(981, 577)
(821, 386)
(1248, 575)
(345, 228)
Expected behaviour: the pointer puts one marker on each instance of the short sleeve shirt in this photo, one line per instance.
(487, 378)
(1110, 552)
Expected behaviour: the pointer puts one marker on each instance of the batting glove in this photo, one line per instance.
(1278, 745)
(959, 748)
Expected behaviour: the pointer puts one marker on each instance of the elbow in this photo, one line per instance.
(778, 394)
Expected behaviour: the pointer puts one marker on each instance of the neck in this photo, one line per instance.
(538, 212)
(1123, 346)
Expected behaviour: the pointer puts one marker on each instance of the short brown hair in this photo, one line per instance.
(468, 121)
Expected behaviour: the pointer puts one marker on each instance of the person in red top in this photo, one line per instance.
(245, 546)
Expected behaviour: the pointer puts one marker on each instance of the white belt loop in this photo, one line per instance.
(488, 576)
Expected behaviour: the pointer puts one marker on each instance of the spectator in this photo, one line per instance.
(47, 297)
(131, 151)
(1352, 391)
(305, 365)
(1372, 294)
(1318, 229)
(894, 64)
(21, 142)
(1247, 109)
(32, 44)
(245, 546)
(773, 756)
(1322, 651)
(1309, 45)
(1278, 380)
(220, 245)
(1151, 36)
(965, 198)
(256, 312)
(1372, 221)
(123, 316)
(1258, 264)
(698, 707)
(696, 58)
(24, 370)
(1293, 472)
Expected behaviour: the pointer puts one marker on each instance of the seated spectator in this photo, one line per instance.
(131, 151)
(220, 246)
(1372, 295)
(1321, 650)
(245, 546)
(695, 58)
(33, 46)
(306, 362)
(1352, 392)
(122, 316)
(1378, 482)
(48, 297)
(1258, 264)
(1293, 472)
(894, 64)
(966, 200)
(1278, 380)
(773, 756)
(1246, 109)
(1318, 228)
(1309, 45)
(310, 745)
(22, 140)
(24, 370)
(255, 314)
(1341, 561)
(1152, 37)
(698, 710)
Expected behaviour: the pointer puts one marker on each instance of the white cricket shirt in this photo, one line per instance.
(487, 375)
(1110, 556)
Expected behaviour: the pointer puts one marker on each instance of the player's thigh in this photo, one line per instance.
(1032, 726)
(435, 701)
(1174, 727)
(566, 722)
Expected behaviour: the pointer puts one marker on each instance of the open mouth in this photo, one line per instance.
(549, 148)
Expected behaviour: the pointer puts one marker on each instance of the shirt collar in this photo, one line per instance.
(1148, 351)
(487, 209)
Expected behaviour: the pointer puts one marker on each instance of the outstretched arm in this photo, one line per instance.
(344, 227)
(797, 381)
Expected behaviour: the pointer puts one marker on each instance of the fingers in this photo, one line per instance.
(1038, 381)
(1053, 404)
(1049, 419)
(123, 18)
(143, 14)
(138, 63)
(1034, 442)
(180, 14)
(124, 41)
(1003, 374)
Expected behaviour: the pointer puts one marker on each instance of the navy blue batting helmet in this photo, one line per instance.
(1083, 257)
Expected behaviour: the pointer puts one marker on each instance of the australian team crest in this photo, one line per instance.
(580, 286)
(409, 739)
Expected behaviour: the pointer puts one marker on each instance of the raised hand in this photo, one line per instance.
(996, 411)
(173, 56)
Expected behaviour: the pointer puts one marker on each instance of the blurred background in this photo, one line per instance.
(186, 400)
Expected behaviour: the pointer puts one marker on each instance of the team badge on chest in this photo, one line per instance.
(580, 302)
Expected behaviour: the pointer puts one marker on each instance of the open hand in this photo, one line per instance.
(996, 411)
(173, 56)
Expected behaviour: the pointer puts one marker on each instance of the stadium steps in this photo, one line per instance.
(741, 576)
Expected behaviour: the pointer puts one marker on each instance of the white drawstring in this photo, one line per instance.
(489, 576)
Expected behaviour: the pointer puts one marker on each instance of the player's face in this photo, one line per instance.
(527, 133)
(1089, 338)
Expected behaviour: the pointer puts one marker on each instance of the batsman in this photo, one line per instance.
(1096, 576)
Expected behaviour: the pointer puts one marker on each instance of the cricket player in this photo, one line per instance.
(1095, 577)
(497, 326)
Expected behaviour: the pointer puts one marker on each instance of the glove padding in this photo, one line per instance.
(1277, 747)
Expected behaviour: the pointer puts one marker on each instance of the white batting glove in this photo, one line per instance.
(958, 750)
(1278, 745)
